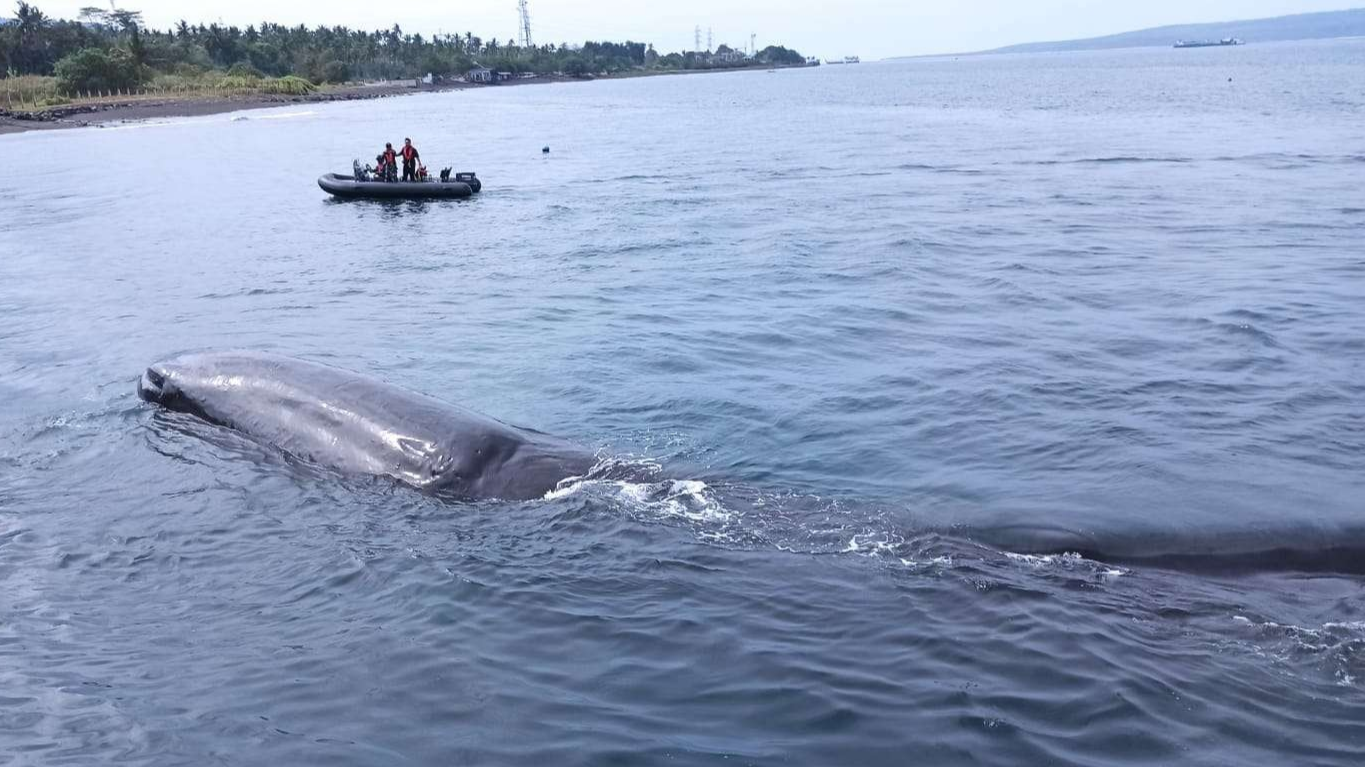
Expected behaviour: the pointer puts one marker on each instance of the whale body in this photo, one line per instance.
(356, 424)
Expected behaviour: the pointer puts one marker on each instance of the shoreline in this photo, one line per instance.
(124, 111)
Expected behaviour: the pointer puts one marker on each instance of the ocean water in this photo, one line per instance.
(1003, 410)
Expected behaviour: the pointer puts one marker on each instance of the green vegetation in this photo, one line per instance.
(112, 51)
(727, 58)
(30, 89)
(96, 69)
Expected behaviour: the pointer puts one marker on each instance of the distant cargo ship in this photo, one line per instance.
(1209, 43)
(845, 60)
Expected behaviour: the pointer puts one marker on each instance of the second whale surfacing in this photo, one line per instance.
(356, 424)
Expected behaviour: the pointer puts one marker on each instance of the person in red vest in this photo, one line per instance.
(388, 163)
(409, 160)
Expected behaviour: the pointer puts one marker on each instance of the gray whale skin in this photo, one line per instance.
(356, 424)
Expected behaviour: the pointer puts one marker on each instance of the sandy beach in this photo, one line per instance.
(136, 109)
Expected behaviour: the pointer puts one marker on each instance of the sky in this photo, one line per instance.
(825, 28)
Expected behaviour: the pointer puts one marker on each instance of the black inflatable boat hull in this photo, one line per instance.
(347, 187)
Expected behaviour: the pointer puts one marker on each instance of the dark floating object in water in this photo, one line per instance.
(545, 150)
(347, 187)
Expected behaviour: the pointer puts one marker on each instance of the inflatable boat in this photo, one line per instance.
(460, 186)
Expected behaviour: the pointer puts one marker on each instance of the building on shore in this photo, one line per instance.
(727, 55)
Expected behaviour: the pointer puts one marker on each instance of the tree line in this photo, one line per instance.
(114, 49)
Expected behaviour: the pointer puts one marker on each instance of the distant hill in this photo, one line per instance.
(1303, 26)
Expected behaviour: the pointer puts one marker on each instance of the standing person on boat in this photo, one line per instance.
(409, 160)
(388, 164)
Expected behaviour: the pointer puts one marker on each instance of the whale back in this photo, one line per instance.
(358, 424)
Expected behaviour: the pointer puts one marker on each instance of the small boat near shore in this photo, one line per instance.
(459, 187)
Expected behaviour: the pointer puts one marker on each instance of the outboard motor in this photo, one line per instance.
(470, 178)
(359, 173)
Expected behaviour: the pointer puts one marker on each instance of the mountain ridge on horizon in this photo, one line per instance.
(1319, 25)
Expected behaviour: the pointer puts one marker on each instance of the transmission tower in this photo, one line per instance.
(696, 39)
(525, 25)
(709, 47)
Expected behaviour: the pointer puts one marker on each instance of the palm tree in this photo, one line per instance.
(30, 18)
(93, 15)
(31, 23)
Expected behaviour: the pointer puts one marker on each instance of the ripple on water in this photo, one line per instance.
(920, 437)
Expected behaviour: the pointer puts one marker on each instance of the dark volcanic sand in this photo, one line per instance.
(85, 115)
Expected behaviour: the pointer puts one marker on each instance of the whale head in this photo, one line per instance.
(153, 385)
(353, 423)
(164, 384)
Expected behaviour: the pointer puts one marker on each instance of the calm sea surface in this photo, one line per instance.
(1007, 410)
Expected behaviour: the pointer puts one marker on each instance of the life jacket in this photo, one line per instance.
(409, 153)
(389, 157)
